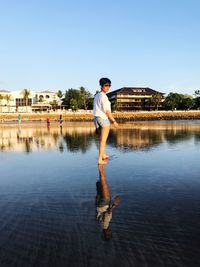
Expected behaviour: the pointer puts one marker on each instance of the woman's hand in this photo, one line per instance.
(115, 124)
(116, 200)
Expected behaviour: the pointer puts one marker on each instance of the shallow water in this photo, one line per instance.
(48, 187)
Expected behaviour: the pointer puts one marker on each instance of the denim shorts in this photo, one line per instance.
(99, 122)
(103, 202)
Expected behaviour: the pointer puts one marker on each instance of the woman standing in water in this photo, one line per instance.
(103, 117)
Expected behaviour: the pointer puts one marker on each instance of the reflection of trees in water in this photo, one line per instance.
(138, 139)
(61, 146)
(56, 136)
(173, 136)
(27, 141)
(135, 138)
(78, 141)
(197, 137)
(4, 146)
(80, 138)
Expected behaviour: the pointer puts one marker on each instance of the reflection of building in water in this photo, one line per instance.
(20, 139)
(149, 134)
(33, 137)
(136, 138)
(79, 137)
(104, 207)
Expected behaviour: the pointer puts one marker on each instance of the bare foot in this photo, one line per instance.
(105, 157)
(102, 162)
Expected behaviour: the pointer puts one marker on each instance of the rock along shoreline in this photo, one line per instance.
(119, 116)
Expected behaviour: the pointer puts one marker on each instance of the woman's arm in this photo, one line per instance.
(114, 204)
(110, 116)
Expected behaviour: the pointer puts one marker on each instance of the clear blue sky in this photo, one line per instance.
(61, 44)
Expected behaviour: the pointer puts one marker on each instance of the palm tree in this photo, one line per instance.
(1, 98)
(85, 96)
(156, 100)
(26, 94)
(8, 98)
(60, 95)
(54, 104)
(41, 99)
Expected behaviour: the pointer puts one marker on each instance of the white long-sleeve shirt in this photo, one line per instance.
(101, 105)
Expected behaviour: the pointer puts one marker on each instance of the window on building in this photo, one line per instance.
(20, 102)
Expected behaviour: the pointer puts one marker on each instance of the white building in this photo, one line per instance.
(14, 101)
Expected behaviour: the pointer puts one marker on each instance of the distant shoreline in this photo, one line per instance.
(87, 117)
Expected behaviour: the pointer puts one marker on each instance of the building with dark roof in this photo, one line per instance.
(132, 98)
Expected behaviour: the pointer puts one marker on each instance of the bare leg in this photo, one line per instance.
(105, 190)
(105, 156)
(102, 145)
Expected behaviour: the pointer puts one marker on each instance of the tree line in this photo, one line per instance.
(175, 101)
(77, 99)
(81, 98)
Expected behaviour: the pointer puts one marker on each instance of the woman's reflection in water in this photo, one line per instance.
(104, 205)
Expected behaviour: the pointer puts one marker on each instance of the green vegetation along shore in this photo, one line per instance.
(119, 116)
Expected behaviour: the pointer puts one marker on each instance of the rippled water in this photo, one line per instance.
(48, 182)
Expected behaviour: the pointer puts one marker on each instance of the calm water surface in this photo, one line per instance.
(48, 194)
